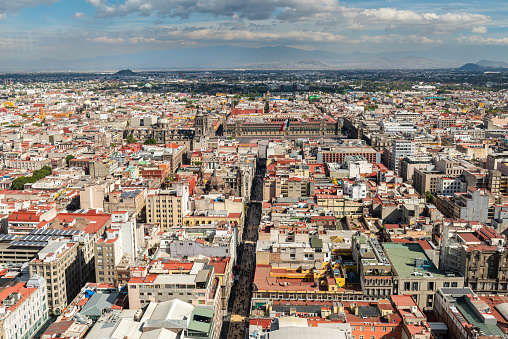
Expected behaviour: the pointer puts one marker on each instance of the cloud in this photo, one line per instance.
(118, 40)
(480, 30)
(164, 35)
(14, 6)
(327, 12)
(79, 15)
(406, 20)
(479, 40)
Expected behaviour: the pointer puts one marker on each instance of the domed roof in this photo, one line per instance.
(215, 180)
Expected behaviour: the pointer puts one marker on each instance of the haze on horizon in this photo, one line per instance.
(70, 29)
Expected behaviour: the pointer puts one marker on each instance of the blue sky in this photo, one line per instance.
(69, 29)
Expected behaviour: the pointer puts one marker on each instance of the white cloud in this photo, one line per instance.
(79, 15)
(14, 6)
(329, 12)
(164, 35)
(480, 29)
(119, 40)
(479, 40)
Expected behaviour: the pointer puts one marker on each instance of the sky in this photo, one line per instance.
(72, 29)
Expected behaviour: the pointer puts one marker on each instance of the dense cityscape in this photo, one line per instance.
(254, 204)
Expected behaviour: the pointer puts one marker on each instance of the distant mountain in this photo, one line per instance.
(230, 57)
(125, 72)
(495, 64)
(471, 67)
(484, 65)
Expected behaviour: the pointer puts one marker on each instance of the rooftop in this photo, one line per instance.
(404, 256)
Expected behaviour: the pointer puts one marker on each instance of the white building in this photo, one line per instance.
(400, 150)
(354, 189)
(131, 236)
(357, 165)
(24, 308)
(450, 186)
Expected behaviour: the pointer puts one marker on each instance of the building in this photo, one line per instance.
(163, 133)
(130, 234)
(108, 253)
(450, 185)
(211, 241)
(165, 320)
(416, 275)
(282, 283)
(23, 222)
(24, 309)
(339, 154)
(400, 150)
(167, 208)
(236, 126)
(58, 262)
(132, 201)
(102, 168)
(294, 187)
(468, 316)
(191, 282)
(408, 165)
(471, 206)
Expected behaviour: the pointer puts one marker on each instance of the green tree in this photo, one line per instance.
(69, 158)
(19, 183)
(130, 139)
(429, 198)
(150, 141)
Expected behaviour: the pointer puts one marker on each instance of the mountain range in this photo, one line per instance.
(273, 57)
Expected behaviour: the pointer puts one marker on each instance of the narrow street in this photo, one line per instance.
(239, 303)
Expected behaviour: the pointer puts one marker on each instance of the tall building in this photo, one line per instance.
(108, 253)
(167, 207)
(24, 309)
(400, 150)
(58, 263)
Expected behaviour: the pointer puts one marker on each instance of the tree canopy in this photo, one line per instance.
(69, 158)
(150, 141)
(130, 139)
(19, 183)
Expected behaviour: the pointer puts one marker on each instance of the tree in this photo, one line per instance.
(150, 141)
(130, 139)
(69, 158)
(429, 198)
(19, 183)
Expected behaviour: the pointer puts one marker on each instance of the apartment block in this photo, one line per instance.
(167, 208)
(58, 264)
(24, 309)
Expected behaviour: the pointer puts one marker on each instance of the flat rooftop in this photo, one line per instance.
(471, 317)
(403, 256)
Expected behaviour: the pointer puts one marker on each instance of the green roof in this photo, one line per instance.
(472, 318)
(203, 311)
(402, 257)
(199, 326)
(316, 243)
